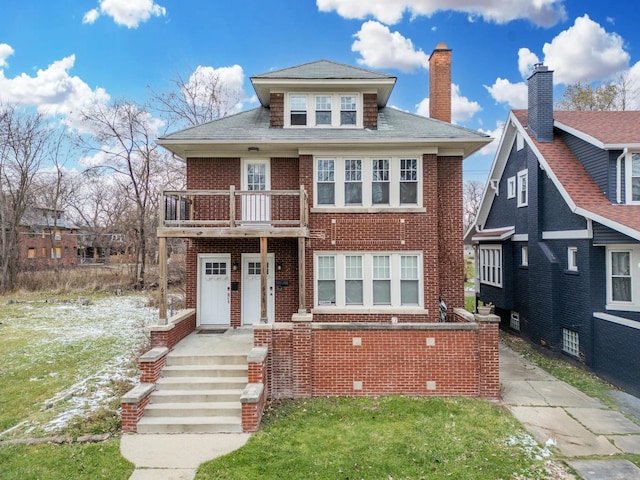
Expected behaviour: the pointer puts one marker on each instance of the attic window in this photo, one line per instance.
(523, 187)
(323, 110)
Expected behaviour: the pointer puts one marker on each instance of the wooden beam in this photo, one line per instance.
(162, 273)
(263, 280)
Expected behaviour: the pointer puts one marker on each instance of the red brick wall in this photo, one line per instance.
(440, 84)
(132, 413)
(170, 338)
(68, 245)
(314, 360)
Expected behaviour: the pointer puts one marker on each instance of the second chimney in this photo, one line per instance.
(440, 83)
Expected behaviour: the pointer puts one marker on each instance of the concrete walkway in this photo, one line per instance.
(569, 422)
(574, 425)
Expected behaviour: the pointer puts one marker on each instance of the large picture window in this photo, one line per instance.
(368, 279)
(491, 265)
(367, 182)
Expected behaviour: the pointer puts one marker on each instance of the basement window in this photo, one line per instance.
(514, 321)
(570, 342)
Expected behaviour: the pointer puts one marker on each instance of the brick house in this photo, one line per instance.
(331, 223)
(45, 240)
(557, 235)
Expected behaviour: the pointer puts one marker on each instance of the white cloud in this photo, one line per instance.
(540, 12)
(503, 91)
(585, 52)
(526, 60)
(496, 134)
(381, 48)
(462, 109)
(53, 91)
(5, 52)
(228, 82)
(129, 13)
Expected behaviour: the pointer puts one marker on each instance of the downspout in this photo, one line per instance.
(619, 175)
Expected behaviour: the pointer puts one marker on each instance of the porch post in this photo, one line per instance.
(263, 280)
(302, 274)
(162, 273)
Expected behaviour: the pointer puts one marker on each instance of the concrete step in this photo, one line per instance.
(195, 396)
(208, 359)
(231, 370)
(189, 425)
(194, 409)
(201, 383)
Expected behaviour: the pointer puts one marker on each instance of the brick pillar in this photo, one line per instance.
(431, 235)
(450, 248)
(489, 368)
(302, 387)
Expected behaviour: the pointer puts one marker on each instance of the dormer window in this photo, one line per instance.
(298, 110)
(633, 177)
(348, 110)
(324, 110)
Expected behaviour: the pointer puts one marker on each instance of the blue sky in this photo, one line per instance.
(61, 57)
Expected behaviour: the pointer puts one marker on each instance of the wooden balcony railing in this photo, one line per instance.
(234, 208)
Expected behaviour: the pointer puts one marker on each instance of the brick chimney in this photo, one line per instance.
(440, 83)
(540, 85)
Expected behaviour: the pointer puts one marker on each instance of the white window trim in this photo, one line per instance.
(524, 256)
(519, 141)
(367, 176)
(491, 273)
(335, 109)
(523, 174)
(511, 187)
(367, 262)
(627, 173)
(572, 263)
(634, 304)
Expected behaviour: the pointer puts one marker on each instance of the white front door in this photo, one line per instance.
(256, 177)
(251, 283)
(214, 290)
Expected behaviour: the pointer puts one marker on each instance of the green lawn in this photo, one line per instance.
(383, 438)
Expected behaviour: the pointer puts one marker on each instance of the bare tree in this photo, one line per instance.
(122, 142)
(471, 198)
(23, 141)
(619, 95)
(202, 98)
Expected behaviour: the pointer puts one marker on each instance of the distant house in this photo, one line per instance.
(45, 240)
(557, 235)
(101, 247)
(329, 225)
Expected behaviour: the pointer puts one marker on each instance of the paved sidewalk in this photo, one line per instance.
(568, 421)
(176, 456)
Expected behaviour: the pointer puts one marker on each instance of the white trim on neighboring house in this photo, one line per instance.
(615, 319)
(567, 235)
(501, 233)
(520, 237)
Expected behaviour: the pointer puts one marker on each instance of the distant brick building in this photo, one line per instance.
(46, 241)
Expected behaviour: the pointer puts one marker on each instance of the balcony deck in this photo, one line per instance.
(234, 213)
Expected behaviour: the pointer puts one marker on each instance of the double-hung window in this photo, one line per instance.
(325, 185)
(323, 110)
(348, 110)
(298, 110)
(491, 265)
(380, 182)
(353, 182)
(408, 181)
(523, 188)
(620, 278)
(367, 182)
(368, 279)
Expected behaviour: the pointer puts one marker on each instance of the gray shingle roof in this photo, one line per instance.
(323, 69)
(253, 126)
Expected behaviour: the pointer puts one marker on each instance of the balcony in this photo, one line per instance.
(234, 213)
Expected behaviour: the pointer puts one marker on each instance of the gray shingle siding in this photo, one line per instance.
(595, 161)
